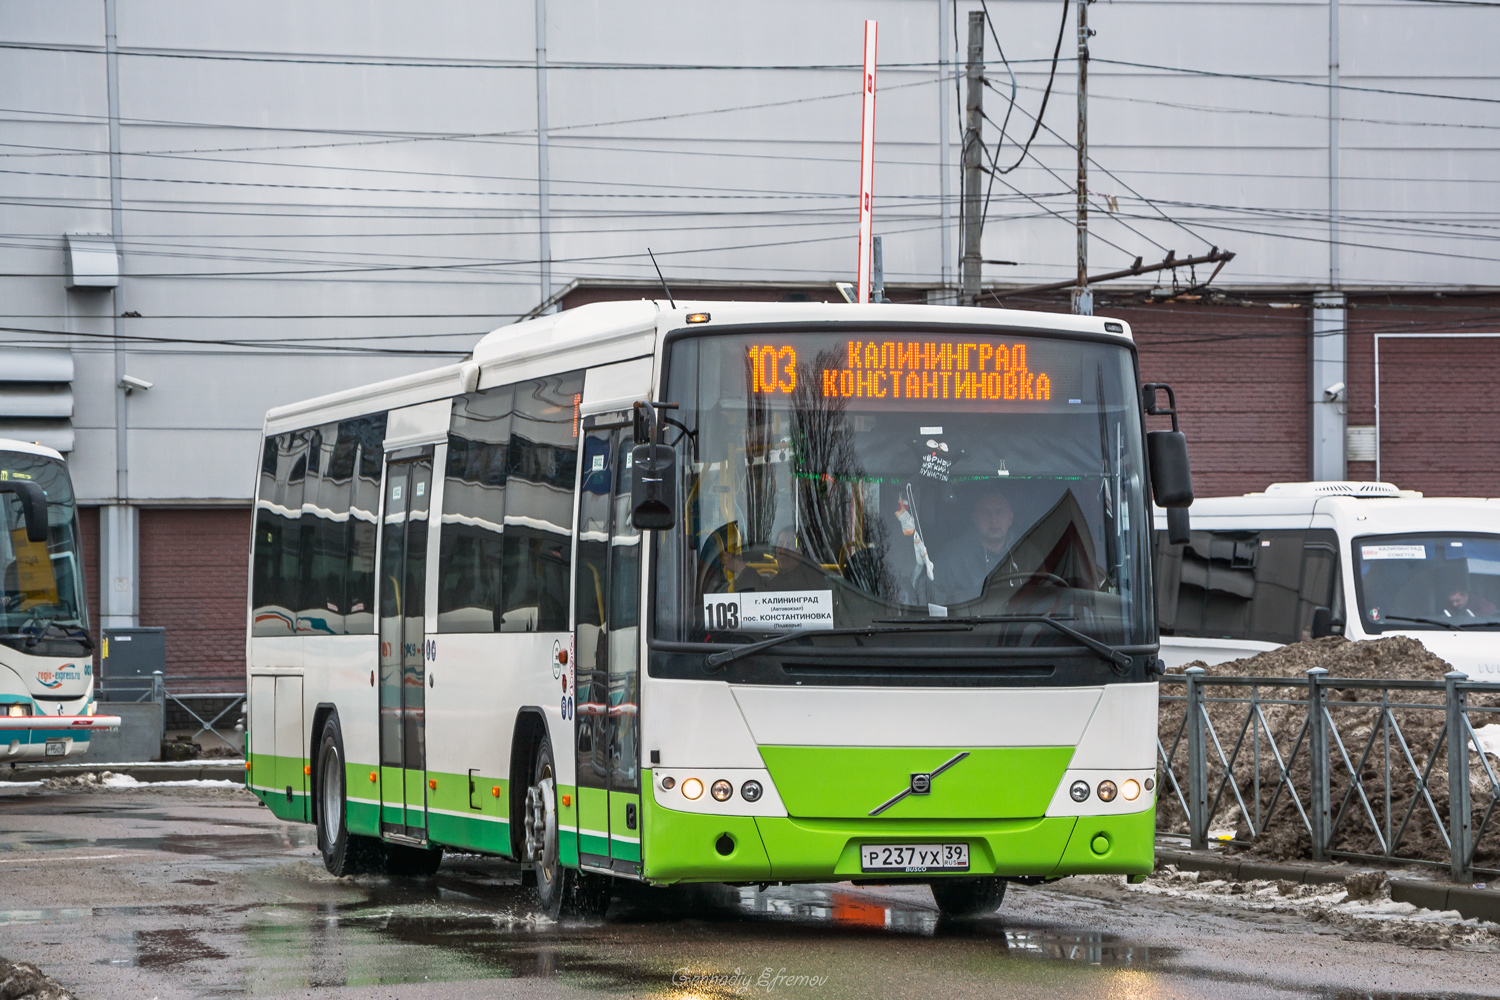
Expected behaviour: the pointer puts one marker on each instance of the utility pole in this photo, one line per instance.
(973, 227)
(1083, 296)
(945, 151)
(543, 178)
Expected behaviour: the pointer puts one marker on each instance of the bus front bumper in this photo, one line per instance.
(689, 847)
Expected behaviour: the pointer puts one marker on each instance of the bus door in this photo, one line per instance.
(403, 674)
(607, 613)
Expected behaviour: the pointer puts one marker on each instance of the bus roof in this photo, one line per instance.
(29, 448)
(1366, 508)
(604, 332)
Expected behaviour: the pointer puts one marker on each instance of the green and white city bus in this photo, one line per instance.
(46, 654)
(721, 592)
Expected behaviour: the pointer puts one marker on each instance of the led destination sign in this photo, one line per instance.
(904, 370)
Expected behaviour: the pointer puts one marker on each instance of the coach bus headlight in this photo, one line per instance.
(1079, 791)
(669, 782)
(1107, 791)
(750, 791)
(1131, 789)
(721, 790)
(17, 711)
(692, 788)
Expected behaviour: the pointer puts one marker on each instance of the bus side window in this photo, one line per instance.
(1232, 585)
(1321, 584)
(278, 544)
(470, 581)
(543, 460)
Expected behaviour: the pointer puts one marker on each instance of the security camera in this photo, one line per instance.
(129, 382)
(1334, 392)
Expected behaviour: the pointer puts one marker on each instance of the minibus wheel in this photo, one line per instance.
(562, 891)
(968, 897)
(344, 853)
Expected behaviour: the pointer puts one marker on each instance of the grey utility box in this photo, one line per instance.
(129, 657)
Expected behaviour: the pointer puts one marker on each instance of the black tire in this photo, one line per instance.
(344, 853)
(562, 891)
(968, 897)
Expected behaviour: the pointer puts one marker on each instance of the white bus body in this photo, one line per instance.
(1260, 565)
(478, 668)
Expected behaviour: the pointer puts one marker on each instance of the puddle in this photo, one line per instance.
(26, 840)
(220, 845)
(166, 948)
(50, 915)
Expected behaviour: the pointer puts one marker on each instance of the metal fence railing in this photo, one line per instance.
(1365, 769)
(186, 692)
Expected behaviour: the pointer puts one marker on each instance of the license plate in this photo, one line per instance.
(56, 748)
(914, 857)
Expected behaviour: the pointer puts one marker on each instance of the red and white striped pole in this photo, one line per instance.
(867, 163)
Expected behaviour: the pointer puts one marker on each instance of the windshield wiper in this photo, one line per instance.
(716, 660)
(1423, 621)
(53, 623)
(1104, 649)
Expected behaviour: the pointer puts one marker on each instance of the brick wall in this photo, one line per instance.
(194, 565)
(1439, 396)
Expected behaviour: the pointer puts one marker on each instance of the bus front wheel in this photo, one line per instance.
(968, 897)
(344, 853)
(563, 891)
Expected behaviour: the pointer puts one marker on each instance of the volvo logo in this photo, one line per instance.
(919, 784)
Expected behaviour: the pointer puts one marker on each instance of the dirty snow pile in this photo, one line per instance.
(24, 981)
(109, 779)
(1283, 834)
(1361, 907)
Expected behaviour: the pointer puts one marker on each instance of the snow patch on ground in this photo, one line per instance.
(1363, 909)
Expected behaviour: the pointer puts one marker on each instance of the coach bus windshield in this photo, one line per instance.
(838, 481)
(42, 607)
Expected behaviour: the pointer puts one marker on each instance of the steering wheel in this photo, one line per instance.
(1049, 577)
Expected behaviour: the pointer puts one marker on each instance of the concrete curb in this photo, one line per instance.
(1481, 904)
(146, 771)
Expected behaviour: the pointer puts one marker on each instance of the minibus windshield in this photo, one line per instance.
(836, 481)
(1428, 581)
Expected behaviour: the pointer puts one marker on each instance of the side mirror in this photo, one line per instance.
(1324, 624)
(653, 495)
(1171, 476)
(1179, 528)
(33, 507)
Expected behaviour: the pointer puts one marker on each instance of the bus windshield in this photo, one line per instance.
(42, 606)
(836, 481)
(1428, 581)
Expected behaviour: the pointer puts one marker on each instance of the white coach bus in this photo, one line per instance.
(1305, 560)
(721, 592)
(46, 654)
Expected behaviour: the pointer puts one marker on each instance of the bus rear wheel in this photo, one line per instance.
(968, 897)
(344, 853)
(562, 891)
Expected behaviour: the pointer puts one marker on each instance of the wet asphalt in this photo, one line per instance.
(191, 892)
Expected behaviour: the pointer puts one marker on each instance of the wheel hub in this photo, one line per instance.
(541, 825)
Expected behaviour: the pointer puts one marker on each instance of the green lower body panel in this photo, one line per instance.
(685, 847)
(1111, 845)
(281, 783)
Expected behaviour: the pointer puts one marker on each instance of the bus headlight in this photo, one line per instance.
(1107, 791)
(721, 790)
(692, 788)
(751, 791)
(18, 711)
(1079, 791)
(1131, 789)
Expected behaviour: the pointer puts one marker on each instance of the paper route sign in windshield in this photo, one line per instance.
(773, 611)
